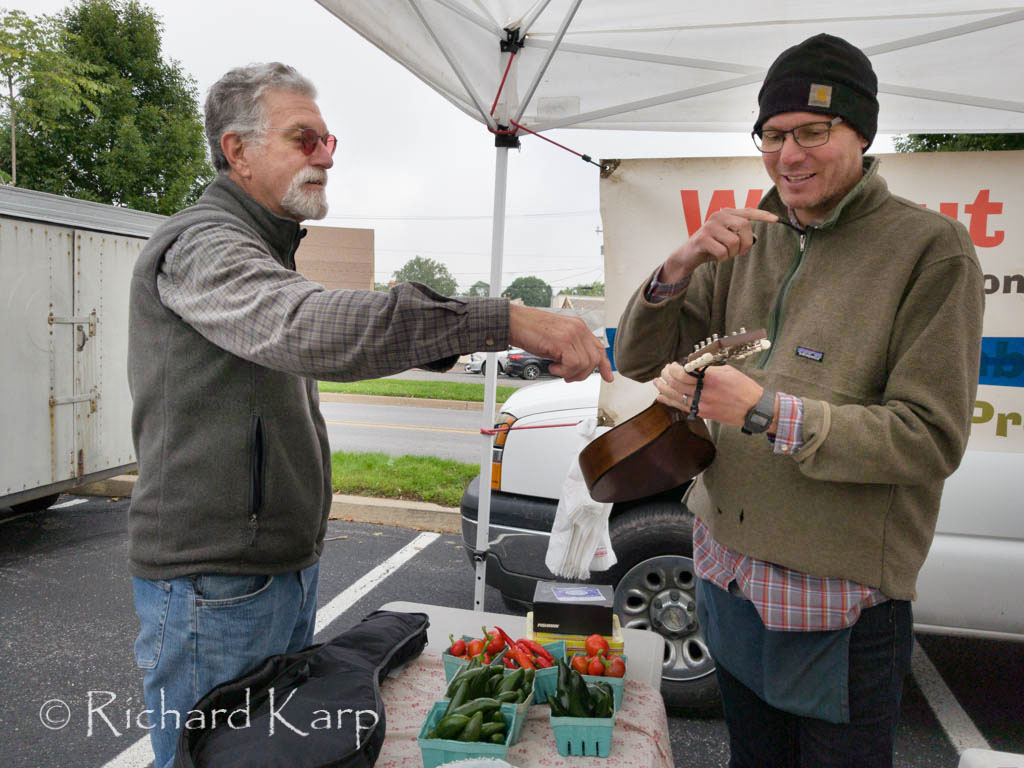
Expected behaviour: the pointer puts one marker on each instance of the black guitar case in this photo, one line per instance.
(318, 707)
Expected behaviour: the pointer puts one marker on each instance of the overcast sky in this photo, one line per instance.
(409, 165)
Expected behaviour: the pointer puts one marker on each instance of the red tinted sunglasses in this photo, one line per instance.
(308, 139)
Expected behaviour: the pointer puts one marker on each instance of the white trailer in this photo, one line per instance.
(65, 409)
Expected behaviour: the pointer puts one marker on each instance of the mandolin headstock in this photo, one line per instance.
(737, 345)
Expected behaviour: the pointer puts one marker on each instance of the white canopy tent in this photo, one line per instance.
(944, 66)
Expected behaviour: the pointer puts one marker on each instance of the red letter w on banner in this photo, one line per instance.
(720, 198)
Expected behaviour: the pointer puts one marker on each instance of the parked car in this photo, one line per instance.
(969, 584)
(527, 365)
(477, 362)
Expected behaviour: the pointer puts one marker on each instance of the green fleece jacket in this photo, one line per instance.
(884, 299)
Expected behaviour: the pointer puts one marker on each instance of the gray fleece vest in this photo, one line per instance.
(234, 464)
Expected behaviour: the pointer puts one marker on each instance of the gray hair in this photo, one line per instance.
(234, 103)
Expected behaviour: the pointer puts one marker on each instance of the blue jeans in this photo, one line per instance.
(761, 736)
(202, 630)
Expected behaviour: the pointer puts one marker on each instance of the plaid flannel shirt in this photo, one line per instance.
(785, 599)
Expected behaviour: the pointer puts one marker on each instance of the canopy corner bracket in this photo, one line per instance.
(512, 42)
(506, 137)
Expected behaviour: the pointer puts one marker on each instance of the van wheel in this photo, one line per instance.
(655, 589)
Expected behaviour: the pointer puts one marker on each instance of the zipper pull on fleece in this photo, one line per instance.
(254, 525)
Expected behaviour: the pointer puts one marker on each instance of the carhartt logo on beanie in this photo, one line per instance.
(822, 74)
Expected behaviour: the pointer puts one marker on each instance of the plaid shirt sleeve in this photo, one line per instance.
(658, 291)
(224, 282)
(790, 434)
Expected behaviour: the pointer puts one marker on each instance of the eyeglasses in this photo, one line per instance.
(308, 138)
(808, 135)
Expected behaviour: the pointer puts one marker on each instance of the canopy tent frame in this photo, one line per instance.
(372, 21)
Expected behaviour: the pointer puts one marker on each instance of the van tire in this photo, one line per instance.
(654, 547)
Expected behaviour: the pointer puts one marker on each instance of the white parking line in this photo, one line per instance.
(347, 598)
(959, 728)
(140, 754)
(71, 503)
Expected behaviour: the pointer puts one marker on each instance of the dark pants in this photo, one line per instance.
(761, 736)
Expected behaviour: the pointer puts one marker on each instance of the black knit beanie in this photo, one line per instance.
(822, 74)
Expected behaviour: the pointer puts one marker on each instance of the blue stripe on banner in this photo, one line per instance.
(610, 349)
(1002, 361)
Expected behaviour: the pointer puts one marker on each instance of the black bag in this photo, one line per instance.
(318, 707)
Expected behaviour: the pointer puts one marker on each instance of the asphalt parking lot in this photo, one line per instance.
(68, 627)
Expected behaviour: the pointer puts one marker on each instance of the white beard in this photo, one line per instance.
(304, 203)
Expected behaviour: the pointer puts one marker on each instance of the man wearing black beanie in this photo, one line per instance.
(807, 544)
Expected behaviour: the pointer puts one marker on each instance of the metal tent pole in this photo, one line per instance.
(483, 515)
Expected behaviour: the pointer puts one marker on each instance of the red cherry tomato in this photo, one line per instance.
(458, 647)
(579, 663)
(595, 644)
(595, 666)
(476, 647)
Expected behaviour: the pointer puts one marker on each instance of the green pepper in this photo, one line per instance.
(461, 694)
(497, 738)
(482, 704)
(463, 674)
(497, 717)
(528, 678)
(603, 698)
(488, 729)
(508, 697)
(492, 685)
(451, 726)
(579, 697)
(472, 729)
(556, 708)
(513, 681)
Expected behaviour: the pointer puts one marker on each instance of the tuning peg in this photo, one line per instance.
(742, 329)
(714, 337)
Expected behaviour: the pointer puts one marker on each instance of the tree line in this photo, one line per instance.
(533, 291)
(89, 108)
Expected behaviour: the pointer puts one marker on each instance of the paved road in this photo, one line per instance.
(408, 429)
(68, 626)
(404, 429)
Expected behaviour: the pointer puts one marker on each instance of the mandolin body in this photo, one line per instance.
(657, 449)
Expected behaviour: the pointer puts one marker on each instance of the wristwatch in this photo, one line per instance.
(760, 417)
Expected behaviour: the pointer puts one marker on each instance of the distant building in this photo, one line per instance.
(564, 301)
(337, 257)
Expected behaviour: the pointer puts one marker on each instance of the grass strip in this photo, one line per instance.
(439, 390)
(416, 478)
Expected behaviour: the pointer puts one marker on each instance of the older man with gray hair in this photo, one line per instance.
(226, 343)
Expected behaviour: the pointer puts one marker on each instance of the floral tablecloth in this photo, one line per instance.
(640, 737)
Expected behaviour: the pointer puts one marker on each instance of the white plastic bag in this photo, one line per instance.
(579, 541)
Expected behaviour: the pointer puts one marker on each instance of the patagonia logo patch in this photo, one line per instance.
(810, 354)
(820, 96)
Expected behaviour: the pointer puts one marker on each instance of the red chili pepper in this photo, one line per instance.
(505, 636)
(522, 657)
(493, 641)
(539, 650)
(542, 663)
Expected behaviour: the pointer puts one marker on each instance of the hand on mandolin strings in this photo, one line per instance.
(727, 395)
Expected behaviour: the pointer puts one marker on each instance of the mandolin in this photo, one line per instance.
(662, 447)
